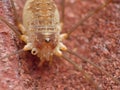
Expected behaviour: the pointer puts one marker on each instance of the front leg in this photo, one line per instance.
(22, 28)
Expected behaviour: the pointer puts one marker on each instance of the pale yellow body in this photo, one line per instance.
(41, 22)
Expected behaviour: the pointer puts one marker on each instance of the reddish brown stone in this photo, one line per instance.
(97, 39)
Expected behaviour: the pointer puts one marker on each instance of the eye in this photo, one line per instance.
(34, 51)
(47, 40)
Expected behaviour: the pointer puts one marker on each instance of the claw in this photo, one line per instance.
(63, 36)
(24, 38)
(27, 47)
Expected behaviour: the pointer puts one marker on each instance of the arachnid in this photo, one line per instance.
(41, 31)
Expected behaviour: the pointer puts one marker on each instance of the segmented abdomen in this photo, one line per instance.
(41, 15)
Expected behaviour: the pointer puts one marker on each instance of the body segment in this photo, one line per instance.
(41, 33)
(42, 29)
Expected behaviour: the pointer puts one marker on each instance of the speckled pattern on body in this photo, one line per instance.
(97, 39)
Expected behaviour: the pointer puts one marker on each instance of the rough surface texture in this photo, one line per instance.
(97, 39)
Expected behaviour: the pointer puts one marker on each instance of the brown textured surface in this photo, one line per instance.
(98, 39)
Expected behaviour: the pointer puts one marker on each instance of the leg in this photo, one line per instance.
(20, 26)
(63, 11)
(16, 52)
(11, 26)
(95, 65)
(90, 14)
(41, 63)
(87, 77)
(14, 11)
